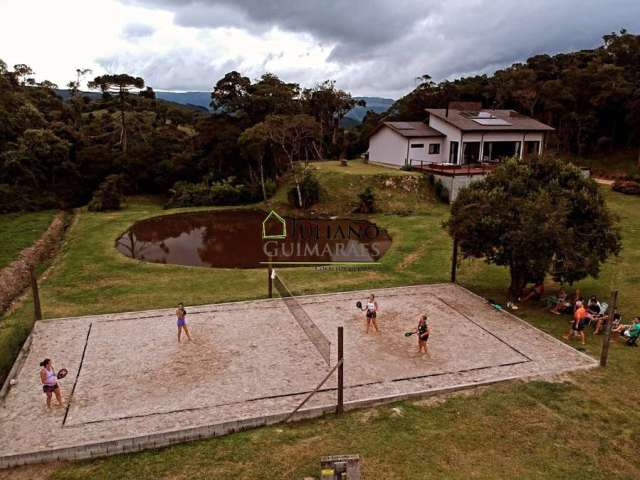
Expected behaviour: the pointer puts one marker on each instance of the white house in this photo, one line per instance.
(457, 137)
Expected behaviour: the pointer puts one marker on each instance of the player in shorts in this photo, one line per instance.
(371, 308)
(49, 380)
(423, 331)
(181, 313)
(581, 319)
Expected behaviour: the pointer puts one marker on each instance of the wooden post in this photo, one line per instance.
(340, 407)
(454, 260)
(270, 281)
(607, 331)
(37, 311)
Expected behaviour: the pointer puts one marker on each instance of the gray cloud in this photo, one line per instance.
(355, 23)
(381, 46)
(133, 31)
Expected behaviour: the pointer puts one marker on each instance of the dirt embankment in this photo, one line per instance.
(15, 277)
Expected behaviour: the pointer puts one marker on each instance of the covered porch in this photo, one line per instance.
(496, 150)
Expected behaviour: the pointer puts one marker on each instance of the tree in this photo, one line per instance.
(272, 96)
(121, 84)
(254, 142)
(230, 94)
(148, 93)
(74, 85)
(291, 133)
(556, 222)
(329, 105)
(22, 74)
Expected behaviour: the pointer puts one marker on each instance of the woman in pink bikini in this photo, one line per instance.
(181, 313)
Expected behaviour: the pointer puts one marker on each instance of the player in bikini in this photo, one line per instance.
(181, 313)
(423, 331)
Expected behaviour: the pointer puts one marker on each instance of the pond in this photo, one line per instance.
(251, 238)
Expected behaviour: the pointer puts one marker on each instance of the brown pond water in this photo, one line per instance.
(233, 239)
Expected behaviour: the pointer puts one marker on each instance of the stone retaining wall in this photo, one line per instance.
(15, 277)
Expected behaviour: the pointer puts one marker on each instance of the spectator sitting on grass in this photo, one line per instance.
(602, 321)
(562, 304)
(594, 307)
(534, 292)
(629, 331)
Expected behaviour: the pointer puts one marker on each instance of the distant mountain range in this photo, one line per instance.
(201, 100)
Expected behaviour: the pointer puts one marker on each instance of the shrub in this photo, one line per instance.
(225, 192)
(442, 192)
(367, 201)
(108, 196)
(628, 187)
(309, 191)
(406, 168)
(15, 199)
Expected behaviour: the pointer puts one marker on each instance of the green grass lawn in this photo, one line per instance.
(586, 427)
(358, 167)
(19, 231)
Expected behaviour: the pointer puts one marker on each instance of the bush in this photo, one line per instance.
(17, 199)
(225, 192)
(108, 196)
(309, 191)
(442, 192)
(628, 187)
(367, 201)
(406, 168)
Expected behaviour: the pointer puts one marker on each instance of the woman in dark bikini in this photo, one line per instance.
(49, 380)
(423, 331)
(181, 313)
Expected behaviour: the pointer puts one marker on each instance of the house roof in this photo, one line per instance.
(488, 120)
(410, 129)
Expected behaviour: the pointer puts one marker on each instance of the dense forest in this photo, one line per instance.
(58, 153)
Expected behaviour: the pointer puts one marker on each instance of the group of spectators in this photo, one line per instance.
(584, 313)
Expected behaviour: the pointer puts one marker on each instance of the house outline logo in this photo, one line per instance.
(273, 215)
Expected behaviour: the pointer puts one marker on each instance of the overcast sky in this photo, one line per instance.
(374, 47)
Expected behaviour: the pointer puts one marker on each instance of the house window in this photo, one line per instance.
(417, 145)
(434, 149)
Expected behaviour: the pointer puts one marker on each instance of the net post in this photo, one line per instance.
(270, 281)
(340, 406)
(607, 330)
(37, 310)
